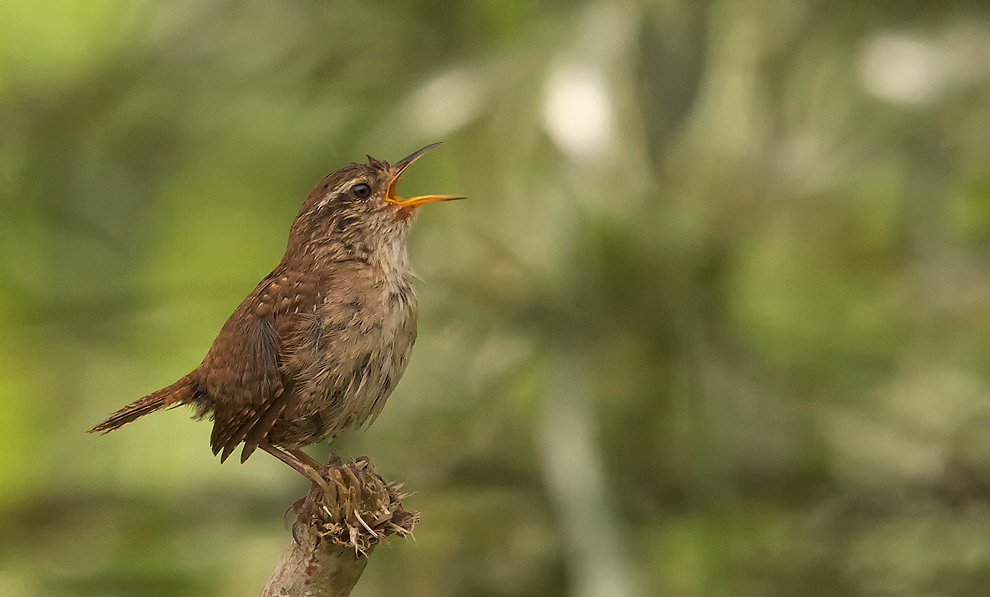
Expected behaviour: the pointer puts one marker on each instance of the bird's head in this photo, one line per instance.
(356, 209)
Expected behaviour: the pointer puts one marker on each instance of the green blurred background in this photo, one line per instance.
(715, 320)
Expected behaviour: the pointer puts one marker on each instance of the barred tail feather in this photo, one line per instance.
(181, 392)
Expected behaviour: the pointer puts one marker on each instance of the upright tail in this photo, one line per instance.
(181, 392)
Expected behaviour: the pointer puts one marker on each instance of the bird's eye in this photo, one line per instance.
(361, 191)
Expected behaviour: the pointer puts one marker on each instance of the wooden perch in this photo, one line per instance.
(334, 535)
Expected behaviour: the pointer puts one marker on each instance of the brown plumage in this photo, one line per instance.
(321, 342)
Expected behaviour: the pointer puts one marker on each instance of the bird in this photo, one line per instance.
(321, 342)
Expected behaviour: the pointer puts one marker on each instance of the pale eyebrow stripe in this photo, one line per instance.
(337, 190)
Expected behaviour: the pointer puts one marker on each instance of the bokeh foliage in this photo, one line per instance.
(714, 321)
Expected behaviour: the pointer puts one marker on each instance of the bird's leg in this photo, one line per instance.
(305, 458)
(310, 469)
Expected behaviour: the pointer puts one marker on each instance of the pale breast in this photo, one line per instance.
(345, 360)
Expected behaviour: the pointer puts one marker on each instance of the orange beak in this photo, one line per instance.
(413, 202)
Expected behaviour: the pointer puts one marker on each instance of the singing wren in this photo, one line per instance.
(322, 341)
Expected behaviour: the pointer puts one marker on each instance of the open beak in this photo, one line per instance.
(413, 202)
